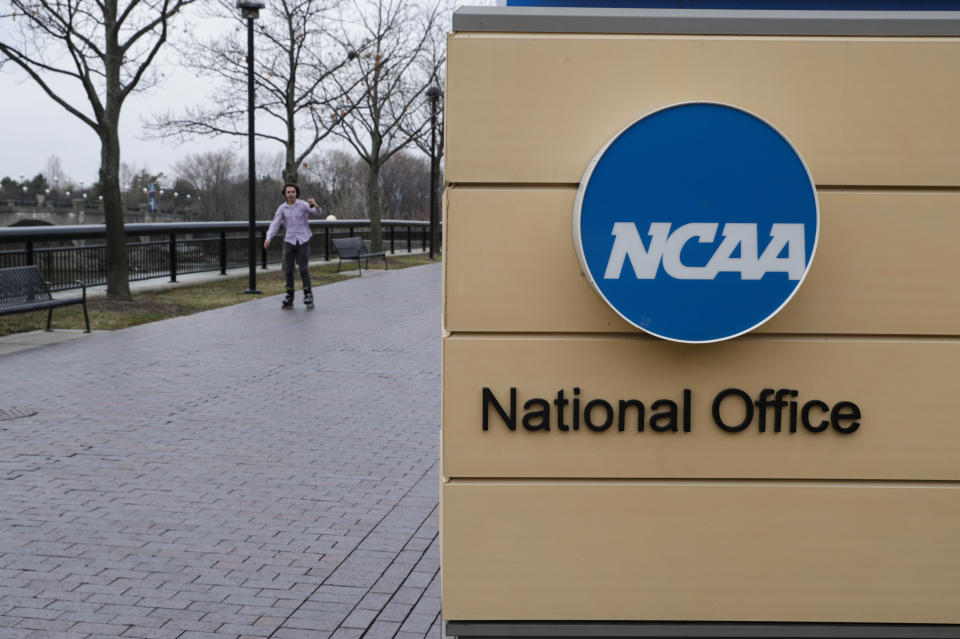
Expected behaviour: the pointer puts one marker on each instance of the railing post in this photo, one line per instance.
(393, 233)
(173, 257)
(326, 243)
(223, 253)
(263, 251)
(409, 239)
(29, 252)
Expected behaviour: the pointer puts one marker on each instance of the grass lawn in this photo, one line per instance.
(179, 299)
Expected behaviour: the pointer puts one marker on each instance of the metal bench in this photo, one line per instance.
(23, 289)
(350, 248)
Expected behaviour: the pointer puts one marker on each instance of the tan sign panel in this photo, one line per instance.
(808, 471)
(707, 551)
(525, 108)
(886, 264)
(861, 410)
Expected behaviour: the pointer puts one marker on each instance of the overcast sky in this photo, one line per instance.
(33, 127)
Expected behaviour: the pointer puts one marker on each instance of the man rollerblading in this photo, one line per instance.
(292, 215)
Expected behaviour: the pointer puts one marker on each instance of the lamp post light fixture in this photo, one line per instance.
(433, 93)
(250, 11)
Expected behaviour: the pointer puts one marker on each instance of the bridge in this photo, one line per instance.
(78, 211)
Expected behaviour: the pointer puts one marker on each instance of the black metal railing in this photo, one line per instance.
(69, 253)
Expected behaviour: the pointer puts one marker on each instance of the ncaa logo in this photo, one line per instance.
(697, 223)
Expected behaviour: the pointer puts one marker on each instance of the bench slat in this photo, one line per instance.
(22, 286)
(23, 289)
(354, 248)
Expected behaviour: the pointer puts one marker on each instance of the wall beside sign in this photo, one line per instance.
(806, 470)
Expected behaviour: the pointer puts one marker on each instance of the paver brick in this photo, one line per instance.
(315, 621)
(299, 633)
(146, 632)
(407, 595)
(359, 618)
(418, 623)
(52, 625)
(56, 634)
(253, 631)
(193, 474)
(35, 613)
(394, 611)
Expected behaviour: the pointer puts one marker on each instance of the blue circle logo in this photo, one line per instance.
(697, 223)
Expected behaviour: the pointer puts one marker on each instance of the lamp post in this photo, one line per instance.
(433, 93)
(250, 10)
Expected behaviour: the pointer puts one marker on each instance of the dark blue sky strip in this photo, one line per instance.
(813, 5)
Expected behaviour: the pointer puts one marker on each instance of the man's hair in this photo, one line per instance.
(284, 190)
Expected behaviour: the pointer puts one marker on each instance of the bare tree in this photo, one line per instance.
(54, 172)
(214, 175)
(390, 77)
(106, 47)
(404, 187)
(434, 65)
(297, 51)
(339, 178)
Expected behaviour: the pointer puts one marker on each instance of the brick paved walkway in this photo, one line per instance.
(245, 472)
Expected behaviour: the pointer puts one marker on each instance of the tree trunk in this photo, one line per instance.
(436, 201)
(118, 280)
(118, 276)
(374, 209)
(290, 169)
